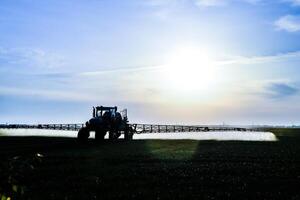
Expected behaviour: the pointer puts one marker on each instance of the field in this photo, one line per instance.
(59, 168)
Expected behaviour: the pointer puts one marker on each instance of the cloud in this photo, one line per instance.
(242, 60)
(280, 90)
(198, 3)
(123, 70)
(160, 2)
(32, 57)
(294, 2)
(234, 60)
(213, 3)
(254, 2)
(49, 94)
(208, 3)
(289, 23)
(276, 89)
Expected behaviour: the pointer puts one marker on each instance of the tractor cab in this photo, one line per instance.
(109, 113)
(101, 111)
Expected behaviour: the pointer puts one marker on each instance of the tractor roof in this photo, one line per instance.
(106, 108)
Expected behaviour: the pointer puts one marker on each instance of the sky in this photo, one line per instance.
(166, 61)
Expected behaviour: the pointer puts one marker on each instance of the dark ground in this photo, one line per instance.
(59, 168)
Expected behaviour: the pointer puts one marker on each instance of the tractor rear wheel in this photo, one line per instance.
(114, 135)
(111, 135)
(99, 135)
(83, 135)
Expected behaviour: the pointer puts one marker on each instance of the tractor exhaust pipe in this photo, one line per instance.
(94, 112)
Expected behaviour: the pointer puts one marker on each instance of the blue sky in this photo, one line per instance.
(167, 61)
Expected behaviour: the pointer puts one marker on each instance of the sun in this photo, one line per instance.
(189, 69)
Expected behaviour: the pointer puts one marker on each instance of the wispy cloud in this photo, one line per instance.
(289, 23)
(280, 90)
(271, 89)
(31, 57)
(233, 60)
(209, 3)
(259, 59)
(160, 2)
(198, 3)
(49, 94)
(293, 2)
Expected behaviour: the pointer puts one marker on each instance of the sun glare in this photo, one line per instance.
(189, 69)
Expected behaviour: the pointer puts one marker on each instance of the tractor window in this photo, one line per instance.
(124, 114)
(106, 114)
(98, 113)
(113, 112)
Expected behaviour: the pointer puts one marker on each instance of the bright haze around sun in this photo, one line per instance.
(166, 61)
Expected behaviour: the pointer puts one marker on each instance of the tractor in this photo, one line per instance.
(106, 120)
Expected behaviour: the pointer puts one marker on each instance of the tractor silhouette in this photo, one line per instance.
(106, 120)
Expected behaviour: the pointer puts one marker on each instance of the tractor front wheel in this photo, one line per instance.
(128, 134)
(83, 135)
